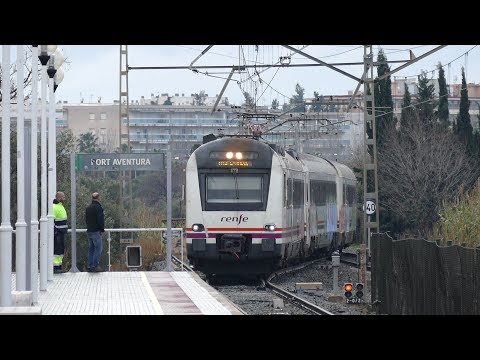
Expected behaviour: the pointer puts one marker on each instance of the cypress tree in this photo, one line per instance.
(369, 111)
(425, 101)
(464, 128)
(476, 146)
(408, 113)
(442, 97)
(383, 100)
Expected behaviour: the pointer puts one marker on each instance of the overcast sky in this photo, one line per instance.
(92, 71)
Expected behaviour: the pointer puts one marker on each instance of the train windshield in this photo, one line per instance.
(227, 189)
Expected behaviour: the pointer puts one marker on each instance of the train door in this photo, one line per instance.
(298, 210)
(313, 199)
(289, 203)
(341, 211)
(289, 214)
(306, 218)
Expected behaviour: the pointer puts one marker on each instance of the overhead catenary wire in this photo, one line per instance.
(256, 72)
(258, 60)
(269, 83)
(273, 65)
(400, 50)
(447, 64)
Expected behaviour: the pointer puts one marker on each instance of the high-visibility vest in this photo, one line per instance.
(60, 215)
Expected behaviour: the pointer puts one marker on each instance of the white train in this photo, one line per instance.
(253, 207)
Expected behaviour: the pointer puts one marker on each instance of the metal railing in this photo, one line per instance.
(109, 239)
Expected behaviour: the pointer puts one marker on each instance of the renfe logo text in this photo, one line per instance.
(237, 219)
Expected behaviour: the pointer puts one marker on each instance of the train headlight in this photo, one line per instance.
(198, 227)
(229, 155)
(348, 287)
(239, 155)
(270, 227)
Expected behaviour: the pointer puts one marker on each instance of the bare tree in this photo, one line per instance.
(418, 169)
(13, 78)
(356, 158)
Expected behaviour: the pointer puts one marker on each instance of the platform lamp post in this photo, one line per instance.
(44, 57)
(6, 229)
(57, 79)
(55, 61)
(20, 225)
(34, 179)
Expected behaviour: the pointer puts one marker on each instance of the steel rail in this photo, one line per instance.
(298, 301)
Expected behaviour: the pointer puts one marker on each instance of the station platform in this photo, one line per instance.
(132, 293)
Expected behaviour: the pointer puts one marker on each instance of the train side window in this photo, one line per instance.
(289, 192)
(350, 194)
(307, 192)
(298, 195)
(315, 192)
(331, 192)
(323, 193)
(312, 193)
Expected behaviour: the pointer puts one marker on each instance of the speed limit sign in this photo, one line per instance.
(370, 207)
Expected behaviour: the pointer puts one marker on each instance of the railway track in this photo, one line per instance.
(249, 298)
(182, 266)
(292, 298)
(277, 291)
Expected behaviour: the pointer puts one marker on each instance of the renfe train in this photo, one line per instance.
(253, 207)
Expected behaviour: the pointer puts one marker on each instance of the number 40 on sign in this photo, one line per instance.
(369, 207)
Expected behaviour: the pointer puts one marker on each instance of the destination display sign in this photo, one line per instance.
(234, 163)
(120, 162)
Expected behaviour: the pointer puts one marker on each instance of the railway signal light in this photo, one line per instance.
(359, 290)
(348, 287)
(353, 292)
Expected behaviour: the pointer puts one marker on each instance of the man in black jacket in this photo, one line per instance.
(95, 220)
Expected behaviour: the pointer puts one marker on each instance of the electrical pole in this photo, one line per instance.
(123, 96)
(124, 114)
(370, 177)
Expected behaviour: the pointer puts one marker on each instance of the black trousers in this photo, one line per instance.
(58, 244)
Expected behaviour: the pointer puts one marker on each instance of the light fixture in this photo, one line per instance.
(50, 49)
(359, 290)
(198, 227)
(57, 78)
(270, 227)
(58, 58)
(348, 287)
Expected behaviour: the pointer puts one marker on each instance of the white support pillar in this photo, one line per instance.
(34, 183)
(51, 174)
(43, 195)
(6, 227)
(20, 225)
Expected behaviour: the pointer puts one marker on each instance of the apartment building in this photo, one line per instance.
(102, 120)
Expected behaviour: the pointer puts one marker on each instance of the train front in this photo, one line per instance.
(231, 228)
